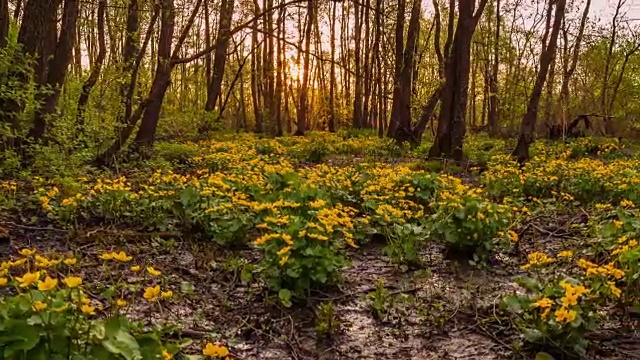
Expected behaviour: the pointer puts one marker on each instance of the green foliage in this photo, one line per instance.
(327, 322)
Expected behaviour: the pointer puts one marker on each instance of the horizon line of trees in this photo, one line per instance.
(105, 76)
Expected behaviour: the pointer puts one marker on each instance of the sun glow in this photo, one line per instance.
(295, 71)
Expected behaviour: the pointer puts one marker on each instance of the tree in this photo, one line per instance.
(302, 110)
(528, 125)
(56, 69)
(220, 54)
(451, 123)
(400, 125)
(96, 69)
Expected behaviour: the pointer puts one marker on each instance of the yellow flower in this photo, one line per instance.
(543, 303)
(626, 203)
(153, 272)
(135, 268)
(284, 250)
(215, 351)
(167, 294)
(3, 281)
(122, 257)
(72, 281)
(61, 308)
(27, 252)
(47, 284)
(88, 309)
(633, 243)
(107, 256)
(564, 315)
(17, 262)
(85, 300)
(28, 278)
(566, 253)
(569, 299)
(513, 236)
(70, 261)
(151, 293)
(614, 290)
(121, 303)
(283, 260)
(166, 355)
(38, 306)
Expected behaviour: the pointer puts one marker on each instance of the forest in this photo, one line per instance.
(319, 179)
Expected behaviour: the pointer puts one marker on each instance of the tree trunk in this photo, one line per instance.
(147, 132)
(95, 71)
(332, 80)
(255, 71)
(4, 22)
(220, 56)
(357, 100)
(402, 100)
(451, 123)
(528, 126)
(57, 70)
(302, 111)
(397, 69)
(129, 54)
(566, 76)
(493, 121)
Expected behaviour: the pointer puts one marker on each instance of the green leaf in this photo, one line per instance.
(187, 288)
(513, 303)
(532, 335)
(285, 297)
(543, 356)
(528, 283)
(122, 343)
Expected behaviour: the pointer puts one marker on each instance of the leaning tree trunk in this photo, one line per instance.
(95, 71)
(161, 81)
(451, 123)
(528, 126)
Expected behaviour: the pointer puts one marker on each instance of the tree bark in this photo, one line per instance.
(451, 123)
(493, 121)
(95, 71)
(402, 92)
(220, 55)
(4, 22)
(57, 70)
(527, 128)
(302, 111)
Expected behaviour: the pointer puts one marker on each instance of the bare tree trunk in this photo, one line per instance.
(357, 100)
(493, 121)
(570, 69)
(255, 71)
(332, 80)
(607, 69)
(528, 126)
(207, 35)
(95, 71)
(57, 70)
(279, 73)
(451, 123)
(130, 53)
(4, 22)
(222, 43)
(302, 111)
(402, 92)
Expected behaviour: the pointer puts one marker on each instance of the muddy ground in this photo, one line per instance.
(445, 309)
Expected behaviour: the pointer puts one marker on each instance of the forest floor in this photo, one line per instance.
(436, 307)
